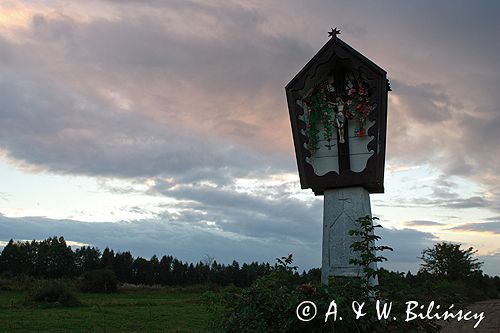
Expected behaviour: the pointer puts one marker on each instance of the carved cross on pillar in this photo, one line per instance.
(345, 199)
(330, 145)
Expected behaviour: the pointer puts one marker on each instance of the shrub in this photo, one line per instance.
(270, 304)
(53, 292)
(99, 281)
(19, 283)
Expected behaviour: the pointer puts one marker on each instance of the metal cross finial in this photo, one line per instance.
(334, 32)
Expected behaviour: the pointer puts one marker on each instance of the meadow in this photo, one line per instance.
(126, 311)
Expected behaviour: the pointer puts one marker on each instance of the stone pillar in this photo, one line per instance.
(342, 207)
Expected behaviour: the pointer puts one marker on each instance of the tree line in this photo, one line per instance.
(52, 258)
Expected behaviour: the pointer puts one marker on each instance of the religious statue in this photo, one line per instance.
(340, 119)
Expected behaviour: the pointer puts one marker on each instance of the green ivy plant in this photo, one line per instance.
(323, 106)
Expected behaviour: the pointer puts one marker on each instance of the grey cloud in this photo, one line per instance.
(177, 80)
(274, 215)
(407, 244)
(191, 242)
(76, 129)
(62, 132)
(491, 263)
(148, 237)
(426, 103)
(488, 227)
(418, 223)
(451, 202)
(4, 196)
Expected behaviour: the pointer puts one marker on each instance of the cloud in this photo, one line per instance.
(136, 97)
(121, 90)
(471, 202)
(139, 91)
(272, 213)
(407, 245)
(187, 241)
(422, 223)
(190, 241)
(486, 227)
(491, 263)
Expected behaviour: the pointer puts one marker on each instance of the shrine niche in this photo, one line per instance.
(338, 112)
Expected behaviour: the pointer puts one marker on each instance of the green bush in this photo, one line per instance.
(270, 304)
(19, 283)
(99, 281)
(52, 292)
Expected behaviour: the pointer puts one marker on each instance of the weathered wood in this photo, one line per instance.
(326, 159)
(356, 167)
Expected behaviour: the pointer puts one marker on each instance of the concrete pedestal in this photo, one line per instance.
(342, 207)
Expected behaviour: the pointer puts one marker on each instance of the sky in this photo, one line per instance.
(161, 127)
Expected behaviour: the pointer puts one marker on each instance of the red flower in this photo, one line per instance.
(306, 288)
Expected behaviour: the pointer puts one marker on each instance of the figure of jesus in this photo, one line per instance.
(340, 119)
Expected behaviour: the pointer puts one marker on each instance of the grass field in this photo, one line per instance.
(127, 311)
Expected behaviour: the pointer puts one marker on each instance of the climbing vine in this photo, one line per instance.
(327, 109)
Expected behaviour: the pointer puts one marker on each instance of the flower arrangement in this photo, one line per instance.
(326, 109)
(320, 115)
(358, 104)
